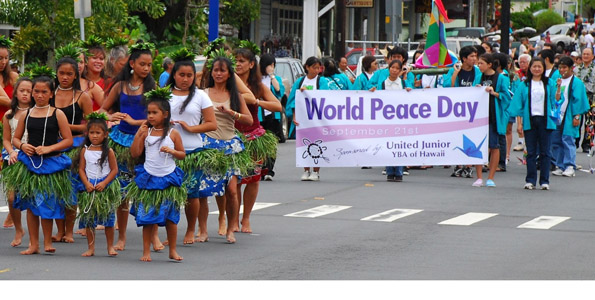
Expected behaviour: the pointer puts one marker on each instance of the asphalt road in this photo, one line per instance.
(431, 226)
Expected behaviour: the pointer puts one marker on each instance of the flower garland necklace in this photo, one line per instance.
(45, 126)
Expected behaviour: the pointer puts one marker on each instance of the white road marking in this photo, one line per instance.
(3, 208)
(257, 206)
(468, 219)
(318, 211)
(391, 215)
(544, 222)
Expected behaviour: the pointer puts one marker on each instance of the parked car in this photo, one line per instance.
(289, 69)
(472, 32)
(558, 35)
(354, 55)
(199, 63)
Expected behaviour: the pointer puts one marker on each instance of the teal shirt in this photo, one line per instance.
(519, 106)
(447, 78)
(381, 75)
(502, 103)
(277, 95)
(342, 81)
(578, 104)
(361, 82)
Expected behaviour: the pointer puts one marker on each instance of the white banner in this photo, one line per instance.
(392, 128)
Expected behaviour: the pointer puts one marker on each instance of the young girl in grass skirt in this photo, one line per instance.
(98, 194)
(75, 104)
(260, 144)
(223, 158)
(42, 175)
(157, 189)
(191, 113)
(21, 102)
(126, 104)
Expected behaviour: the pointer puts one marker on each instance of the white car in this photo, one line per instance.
(558, 35)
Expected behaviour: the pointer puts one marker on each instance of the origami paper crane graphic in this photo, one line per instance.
(470, 149)
(436, 54)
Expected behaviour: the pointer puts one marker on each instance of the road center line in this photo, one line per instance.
(543, 222)
(468, 219)
(257, 206)
(3, 208)
(392, 215)
(318, 211)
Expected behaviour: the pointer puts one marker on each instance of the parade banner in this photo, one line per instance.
(446, 126)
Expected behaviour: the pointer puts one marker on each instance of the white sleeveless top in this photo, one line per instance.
(92, 168)
(14, 122)
(192, 115)
(158, 163)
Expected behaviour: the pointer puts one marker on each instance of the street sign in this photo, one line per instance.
(359, 3)
(82, 9)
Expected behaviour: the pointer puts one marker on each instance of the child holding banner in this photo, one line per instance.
(533, 102)
(497, 85)
(393, 82)
(312, 81)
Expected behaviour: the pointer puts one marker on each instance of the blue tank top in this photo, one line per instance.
(132, 106)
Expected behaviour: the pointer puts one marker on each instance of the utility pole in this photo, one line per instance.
(341, 11)
(505, 30)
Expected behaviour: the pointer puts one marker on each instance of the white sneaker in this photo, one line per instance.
(529, 186)
(384, 172)
(545, 186)
(268, 178)
(569, 172)
(314, 176)
(306, 176)
(519, 147)
(557, 172)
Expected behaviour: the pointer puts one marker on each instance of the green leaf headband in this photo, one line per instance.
(112, 43)
(69, 50)
(159, 93)
(212, 46)
(182, 55)
(220, 53)
(141, 47)
(92, 42)
(38, 70)
(5, 42)
(97, 115)
(245, 44)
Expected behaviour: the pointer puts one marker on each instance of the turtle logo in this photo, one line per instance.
(314, 150)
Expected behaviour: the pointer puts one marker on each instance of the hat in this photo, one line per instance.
(574, 54)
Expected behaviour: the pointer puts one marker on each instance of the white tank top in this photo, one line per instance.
(14, 122)
(92, 167)
(158, 163)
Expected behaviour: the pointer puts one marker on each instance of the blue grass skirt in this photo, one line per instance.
(121, 137)
(77, 141)
(110, 221)
(46, 206)
(214, 184)
(193, 178)
(168, 210)
(125, 140)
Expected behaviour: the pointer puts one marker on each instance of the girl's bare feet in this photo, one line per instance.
(59, 237)
(175, 256)
(246, 226)
(67, 239)
(88, 253)
(189, 238)
(82, 232)
(111, 251)
(120, 245)
(202, 237)
(146, 257)
(49, 249)
(30, 250)
(8, 223)
(231, 239)
(18, 237)
(222, 225)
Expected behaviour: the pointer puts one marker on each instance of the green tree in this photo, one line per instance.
(522, 19)
(239, 14)
(47, 24)
(547, 19)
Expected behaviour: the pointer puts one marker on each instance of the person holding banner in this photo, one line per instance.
(369, 66)
(497, 86)
(393, 82)
(312, 81)
(533, 101)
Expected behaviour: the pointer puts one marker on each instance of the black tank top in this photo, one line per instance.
(35, 129)
(78, 115)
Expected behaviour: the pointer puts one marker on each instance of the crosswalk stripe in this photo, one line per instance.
(3, 208)
(392, 215)
(543, 222)
(257, 206)
(318, 211)
(468, 219)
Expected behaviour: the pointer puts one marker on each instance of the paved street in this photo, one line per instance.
(355, 225)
